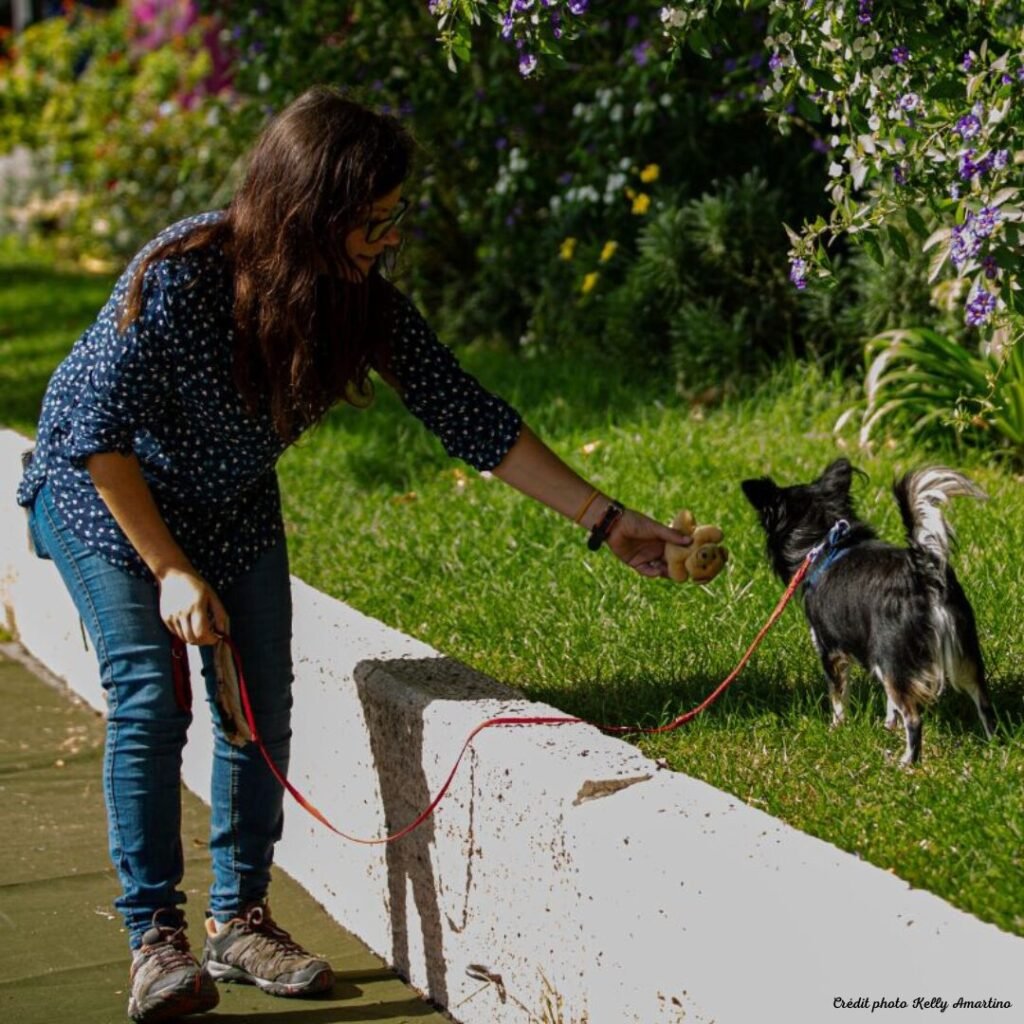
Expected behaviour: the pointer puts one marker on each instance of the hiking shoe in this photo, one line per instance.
(252, 949)
(166, 982)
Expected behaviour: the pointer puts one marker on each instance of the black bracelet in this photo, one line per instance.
(600, 531)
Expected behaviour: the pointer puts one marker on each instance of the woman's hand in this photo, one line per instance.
(190, 609)
(640, 542)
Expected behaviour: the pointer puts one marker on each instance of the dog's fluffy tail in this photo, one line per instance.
(921, 496)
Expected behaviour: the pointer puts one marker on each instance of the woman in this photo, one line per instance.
(153, 489)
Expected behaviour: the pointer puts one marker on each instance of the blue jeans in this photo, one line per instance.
(146, 728)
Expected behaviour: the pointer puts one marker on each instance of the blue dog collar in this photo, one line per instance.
(812, 579)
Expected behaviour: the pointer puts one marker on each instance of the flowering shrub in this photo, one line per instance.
(512, 165)
(124, 133)
(918, 106)
(915, 105)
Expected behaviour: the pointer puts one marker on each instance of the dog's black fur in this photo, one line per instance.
(900, 612)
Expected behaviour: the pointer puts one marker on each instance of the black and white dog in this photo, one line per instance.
(900, 612)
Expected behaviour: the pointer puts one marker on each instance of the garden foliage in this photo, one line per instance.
(122, 114)
(916, 107)
(595, 175)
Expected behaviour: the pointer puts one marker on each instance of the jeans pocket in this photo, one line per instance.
(35, 540)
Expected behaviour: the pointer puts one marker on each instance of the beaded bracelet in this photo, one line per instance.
(599, 534)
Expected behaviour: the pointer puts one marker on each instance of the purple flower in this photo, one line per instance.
(521, 5)
(899, 174)
(984, 165)
(990, 267)
(798, 273)
(900, 55)
(968, 60)
(632, 22)
(1000, 159)
(986, 220)
(556, 24)
(776, 61)
(864, 11)
(910, 101)
(964, 243)
(433, 5)
(640, 52)
(578, 6)
(527, 64)
(968, 168)
(507, 26)
(980, 308)
(968, 126)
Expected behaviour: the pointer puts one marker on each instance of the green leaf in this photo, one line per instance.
(698, 42)
(916, 222)
(945, 89)
(898, 242)
(937, 262)
(824, 79)
(808, 109)
(869, 242)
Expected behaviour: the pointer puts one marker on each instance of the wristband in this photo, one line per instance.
(599, 534)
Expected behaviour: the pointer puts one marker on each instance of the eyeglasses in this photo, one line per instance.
(377, 229)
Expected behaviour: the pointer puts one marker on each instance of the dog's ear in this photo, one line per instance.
(760, 492)
(837, 476)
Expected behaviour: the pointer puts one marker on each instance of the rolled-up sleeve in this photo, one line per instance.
(472, 424)
(128, 377)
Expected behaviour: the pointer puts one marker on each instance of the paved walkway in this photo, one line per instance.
(63, 951)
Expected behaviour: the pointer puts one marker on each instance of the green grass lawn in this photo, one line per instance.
(42, 310)
(379, 517)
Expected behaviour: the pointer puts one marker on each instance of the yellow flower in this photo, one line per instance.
(650, 173)
(608, 251)
(567, 249)
(641, 204)
(589, 282)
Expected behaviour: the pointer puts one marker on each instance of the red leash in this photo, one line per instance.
(505, 722)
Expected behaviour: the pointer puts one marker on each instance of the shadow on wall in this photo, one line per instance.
(394, 694)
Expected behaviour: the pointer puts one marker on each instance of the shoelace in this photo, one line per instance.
(173, 949)
(258, 922)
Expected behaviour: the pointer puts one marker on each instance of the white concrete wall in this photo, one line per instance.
(654, 899)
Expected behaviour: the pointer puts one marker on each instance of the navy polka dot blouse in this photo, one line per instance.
(163, 390)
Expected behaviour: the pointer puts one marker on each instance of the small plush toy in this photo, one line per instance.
(703, 559)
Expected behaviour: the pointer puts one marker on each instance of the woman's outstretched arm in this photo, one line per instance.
(531, 467)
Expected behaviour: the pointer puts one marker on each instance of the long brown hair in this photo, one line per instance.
(305, 337)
